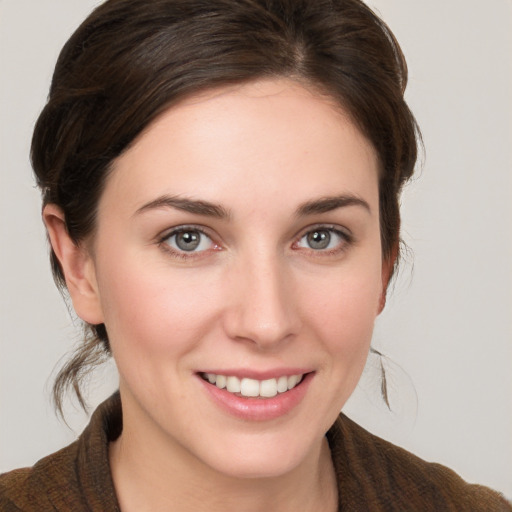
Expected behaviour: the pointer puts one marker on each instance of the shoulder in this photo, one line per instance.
(382, 476)
(47, 486)
(73, 479)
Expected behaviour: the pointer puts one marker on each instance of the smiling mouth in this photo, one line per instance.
(252, 388)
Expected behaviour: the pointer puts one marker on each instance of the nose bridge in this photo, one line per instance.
(263, 309)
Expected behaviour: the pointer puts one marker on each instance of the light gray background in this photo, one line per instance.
(448, 324)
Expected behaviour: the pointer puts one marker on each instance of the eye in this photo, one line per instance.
(323, 239)
(188, 240)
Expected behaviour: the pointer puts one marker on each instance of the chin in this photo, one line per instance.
(261, 457)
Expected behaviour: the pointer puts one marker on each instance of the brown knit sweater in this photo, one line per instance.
(373, 475)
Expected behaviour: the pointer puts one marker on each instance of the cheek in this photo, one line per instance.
(153, 311)
(343, 311)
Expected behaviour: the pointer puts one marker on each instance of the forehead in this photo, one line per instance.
(247, 143)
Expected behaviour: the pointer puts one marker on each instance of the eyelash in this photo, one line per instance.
(182, 254)
(345, 242)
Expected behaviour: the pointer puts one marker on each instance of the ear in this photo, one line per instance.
(388, 265)
(77, 265)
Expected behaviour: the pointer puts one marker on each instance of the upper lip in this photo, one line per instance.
(251, 373)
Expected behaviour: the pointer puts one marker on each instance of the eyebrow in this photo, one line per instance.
(205, 208)
(328, 204)
(187, 205)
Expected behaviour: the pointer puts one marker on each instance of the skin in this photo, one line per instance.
(255, 295)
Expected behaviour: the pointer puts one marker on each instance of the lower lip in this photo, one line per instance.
(258, 409)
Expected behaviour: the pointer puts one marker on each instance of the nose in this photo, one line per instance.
(263, 308)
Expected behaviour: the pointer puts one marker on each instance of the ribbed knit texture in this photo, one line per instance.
(373, 475)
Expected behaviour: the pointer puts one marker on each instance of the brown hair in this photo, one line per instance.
(132, 59)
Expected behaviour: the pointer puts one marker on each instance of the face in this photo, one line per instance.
(238, 245)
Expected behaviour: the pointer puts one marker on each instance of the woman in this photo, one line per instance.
(220, 186)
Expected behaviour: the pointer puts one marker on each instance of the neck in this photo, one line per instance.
(152, 475)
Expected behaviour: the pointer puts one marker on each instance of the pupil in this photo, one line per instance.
(319, 239)
(188, 240)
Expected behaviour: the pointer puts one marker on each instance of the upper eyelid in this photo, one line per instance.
(185, 227)
(329, 227)
(163, 242)
(214, 237)
(347, 240)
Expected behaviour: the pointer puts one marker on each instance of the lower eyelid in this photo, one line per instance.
(164, 240)
(345, 238)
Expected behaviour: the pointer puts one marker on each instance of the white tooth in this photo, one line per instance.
(233, 384)
(249, 387)
(211, 378)
(221, 381)
(282, 384)
(268, 388)
(292, 381)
